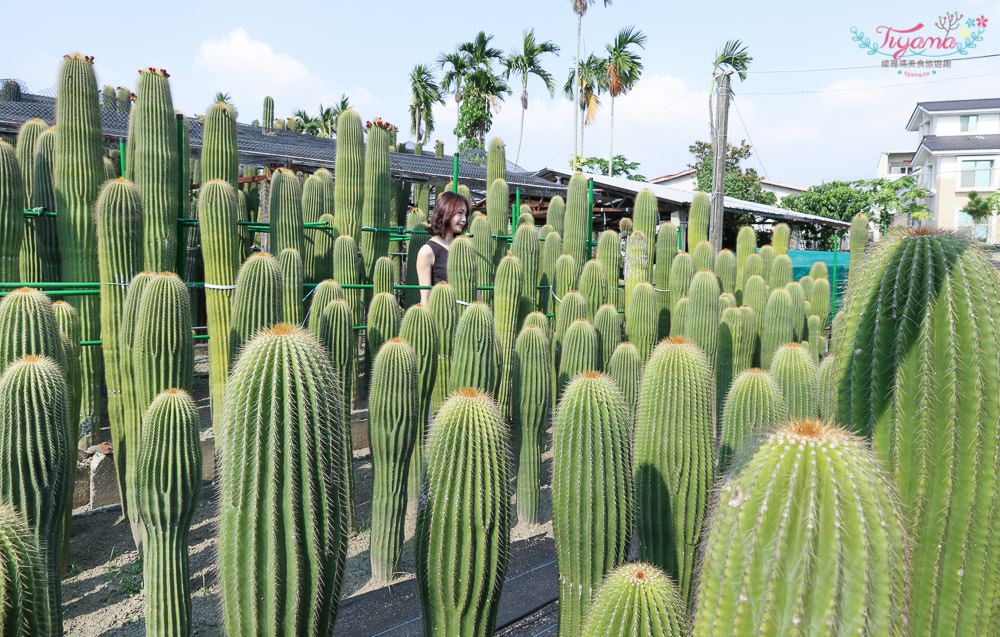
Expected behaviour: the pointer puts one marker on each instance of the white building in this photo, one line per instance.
(688, 180)
(958, 153)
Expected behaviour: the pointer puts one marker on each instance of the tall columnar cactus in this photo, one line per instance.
(282, 405)
(509, 282)
(818, 270)
(681, 271)
(778, 325)
(286, 212)
(645, 218)
(555, 214)
(464, 515)
(858, 239)
(384, 277)
(219, 156)
(809, 485)
(725, 269)
(702, 323)
(625, 368)
(528, 249)
(377, 199)
(474, 357)
(637, 267)
(384, 317)
(498, 213)
(794, 289)
(609, 253)
(43, 195)
(444, 307)
(592, 500)
(767, 255)
(217, 216)
(781, 272)
(703, 256)
(349, 186)
(420, 330)
(417, 241)
(817, 342)
(531, 399)
(593, 285)
(577, 223)
(737, 336)
(320, 242)
(336, 335)
(819, 300)
(551, 251)
(11, 214)
(154, 168)
(267, 121)
(726, 300)
(780, 239)
(754, 405)
(23, 606)
(485, 246)
(666, 250)
(608, 323)
(919, 374)
(462, 269)
(678, 318)
(392, 432)
(496, 162)
(292, 306)
(325, 292)
(347, 271)
(755, 296)
(30, 259)
(674, 441)
(826, 383)
(125, 99)
(795, 372)
(10, 91)
(35, 477)
(754, 265)
(641, 327)
(538, 319)
(168, 483)
(697, 228)
(637, 599)
(565, 277)
(257, 301)
(68, 320)
(578, 353)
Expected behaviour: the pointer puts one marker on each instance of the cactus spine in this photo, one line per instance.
(43, 195)
(754, 405)
(257, 301)
(640, 318)
(384, 317)
(462, 270)
(30, 259)
(702, 322)
(837, 491)
(794, 370)
(336, 334)
(674, 438)
(486, 247)
(349, 186)
(392, 432)
(292, 310)
(577, 235)
(377, 199)
(555, 214)
(23, 607)
(592, 500)
(168, 483)
(347, 271)
(532, 396)
(579, 352)
(267, 122)
(781, 237)
(420, 330)
(778, 325)
(282, 404)
(697, 230)
(474, 359)
(593, 285)
(497, 212)
(608, 323)
(859, 240)
(637, 599)
(509, 282)
(463, 513)
(29, 327)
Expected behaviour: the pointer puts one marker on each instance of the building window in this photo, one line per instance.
(969, 123)
(965, 227)
(977, 173)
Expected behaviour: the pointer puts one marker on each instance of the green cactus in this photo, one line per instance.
(725, 269)
(292, 309)
(555, 214)
(384, 277)
(154, 168)
(592, 500)
(754, 405)
(816, 339)
(68, 320)
(485, 246)
(23, 600)
(767, 255)
(698, 220)
(464, 514)
(219, 156)
(30, 257)
(413, 246)
(737, 333)
(818, 270)
(755, 295)
(577, 224)
(754, 266)
(267, 120)
(325, 292)
(608, 323)
(317, 200)
(509, 282)
(257, 301)
(498, 213)
(794, 289)
(392, 432)
(474, 357)
(43, 195)
(285, 212)
(565, 276)
(678, 318)
(29, 327)
(645, 219)
(795, 372)
(35, 478)
(527, 248)
(12, 224)
(703, 256)
(462, 269)
(702, 322)
(168, 484)
(625, 367)
(666, 250)
(125, 98)
(919, 374)
(531, 398)
(217, 215)
(282, 405)
(819, 300)
(774, 580)
(593, 285)
(640, 319)
(377, 199)
(349, 186)
(525, 216)
(681, 271)
(420, 330)
(573, 307)
(726, 300)
(640, 600)
(347, 271)
(551, 251)
(578, 353)
(496, 162)
(10, 91)
(384, 317)
(826, 381)
(858, 239)
(780, 239)
(807, 285)
(538, 320)
(109, 173)
(778, 325)
(674, 439)
(637, 267)
(609, 253)
(444, 307)
(781, 272)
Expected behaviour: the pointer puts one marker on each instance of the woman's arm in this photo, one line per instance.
(425, 261)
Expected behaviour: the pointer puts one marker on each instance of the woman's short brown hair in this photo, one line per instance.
(448, 205)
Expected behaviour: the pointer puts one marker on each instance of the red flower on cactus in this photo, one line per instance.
(981, 21)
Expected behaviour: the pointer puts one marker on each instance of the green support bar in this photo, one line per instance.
(121, 154)
(454, 175)
(38, 212)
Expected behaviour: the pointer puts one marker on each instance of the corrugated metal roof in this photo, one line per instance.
(683, 198)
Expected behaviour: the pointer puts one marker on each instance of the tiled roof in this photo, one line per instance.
(946, 143)
(960, 105)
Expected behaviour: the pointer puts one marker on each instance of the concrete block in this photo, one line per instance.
(103, 480)
(81, 484)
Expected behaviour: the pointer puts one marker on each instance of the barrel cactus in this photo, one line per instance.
(556, 213)
(29, 327)
(767, 255)
(23, 600)
(593, 286)
(780, 238)
(753, 406)
(703, 256)
(681, 271)
(746, 244)
(640, 600)
(347, 271)
(509, 281)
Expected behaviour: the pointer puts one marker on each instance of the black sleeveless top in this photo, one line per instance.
(439, 271)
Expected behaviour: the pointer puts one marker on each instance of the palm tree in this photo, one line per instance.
(526, 62)
(424, 93)
(623, 70)
(580, 8)
(330, 123)
(592, 74)
(222, 96)
(734, 54)
(455, 66)
(483, 87)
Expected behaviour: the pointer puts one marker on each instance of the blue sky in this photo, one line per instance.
(806, 127)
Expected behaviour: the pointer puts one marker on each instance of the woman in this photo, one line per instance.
(447, 222)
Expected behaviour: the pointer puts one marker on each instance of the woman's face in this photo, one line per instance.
(457, 224)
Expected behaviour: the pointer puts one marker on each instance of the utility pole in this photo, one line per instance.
(719, 161)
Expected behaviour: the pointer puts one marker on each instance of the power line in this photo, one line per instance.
(866, 66)
(747, 131)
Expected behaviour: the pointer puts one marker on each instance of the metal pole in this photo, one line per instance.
(454, 175)
(121, 155)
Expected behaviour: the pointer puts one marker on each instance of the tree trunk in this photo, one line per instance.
(611, 142)
(719, 165)
(576, 91)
